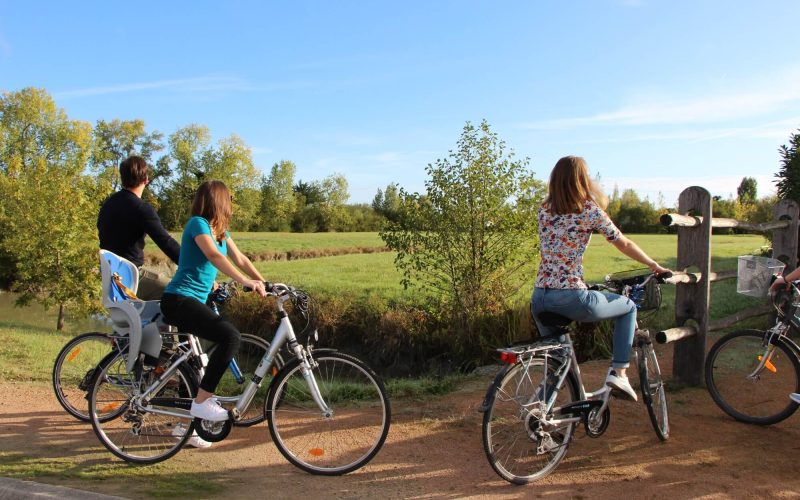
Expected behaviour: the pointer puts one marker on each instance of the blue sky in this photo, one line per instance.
(656, 95)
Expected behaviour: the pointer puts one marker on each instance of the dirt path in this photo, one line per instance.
(433, 451)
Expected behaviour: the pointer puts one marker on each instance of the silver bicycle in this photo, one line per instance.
(536, 401)
(327, 412)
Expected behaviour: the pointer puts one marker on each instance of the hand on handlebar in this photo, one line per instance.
(659, 270)
(779, 283)
(256, 285)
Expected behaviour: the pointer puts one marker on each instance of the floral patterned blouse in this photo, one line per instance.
(563, 240)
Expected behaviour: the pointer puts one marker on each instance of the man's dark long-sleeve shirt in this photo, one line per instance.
(123, 221)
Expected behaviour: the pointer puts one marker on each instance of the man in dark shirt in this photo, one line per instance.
(124, 220)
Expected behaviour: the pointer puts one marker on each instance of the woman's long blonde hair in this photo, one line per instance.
(213, 203)
(570, 187)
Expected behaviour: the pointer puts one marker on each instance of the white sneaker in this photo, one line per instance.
(621, 384)
(209, 410)
(195, 441)
(795, 396)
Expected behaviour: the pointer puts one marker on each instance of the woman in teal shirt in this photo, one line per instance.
(206, 246)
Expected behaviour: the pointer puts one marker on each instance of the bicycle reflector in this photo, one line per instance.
(769, 366)
(508, 357)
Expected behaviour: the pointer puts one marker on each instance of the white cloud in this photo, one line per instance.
(197, 84)
(777, 130)
(775, 92)
(186, 84)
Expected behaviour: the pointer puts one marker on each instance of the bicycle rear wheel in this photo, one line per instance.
(517, 446)
(137, 435)
(251, 350)
(652, 387)
(754, 398)
(74, 369)
(350, 435)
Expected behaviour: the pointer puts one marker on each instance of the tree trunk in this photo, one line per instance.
(60, 321)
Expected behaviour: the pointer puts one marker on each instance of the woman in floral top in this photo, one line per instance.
(572, 211)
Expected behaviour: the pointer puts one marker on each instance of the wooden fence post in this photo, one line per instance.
(784, 240)
(692, 299)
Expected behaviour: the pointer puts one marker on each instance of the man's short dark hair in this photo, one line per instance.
(133, 171)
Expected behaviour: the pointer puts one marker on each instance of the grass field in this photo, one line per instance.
(29, 343)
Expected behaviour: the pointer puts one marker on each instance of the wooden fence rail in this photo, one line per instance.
(693, 290)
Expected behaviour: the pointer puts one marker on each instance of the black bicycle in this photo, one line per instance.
(750, 373)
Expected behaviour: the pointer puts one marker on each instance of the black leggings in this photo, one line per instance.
(192, 316)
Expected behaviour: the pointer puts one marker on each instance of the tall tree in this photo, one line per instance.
(471, 239)
(788, 182)
(116, 140)
(747, 192)
(232, 163)
(387, 203)
(48, 206)
(189, 153)
(278, 201)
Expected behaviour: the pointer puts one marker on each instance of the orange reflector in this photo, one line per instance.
(317, 452)
(74, 354)
(274, 371)
(109, 407)
(769, 366)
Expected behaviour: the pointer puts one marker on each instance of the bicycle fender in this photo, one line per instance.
(492, 389)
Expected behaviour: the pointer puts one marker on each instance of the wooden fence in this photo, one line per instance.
(693, 286)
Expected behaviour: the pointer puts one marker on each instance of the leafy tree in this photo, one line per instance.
(788, 182)
(632, 214)
(387, 203)
(747, 191)
(189, 152)
(277, 197)
(232, 163)
(335, 194)
(116, 140)
(472, 238)
(48, 207)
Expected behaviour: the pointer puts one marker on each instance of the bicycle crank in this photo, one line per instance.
(212, 431)
(596, 424)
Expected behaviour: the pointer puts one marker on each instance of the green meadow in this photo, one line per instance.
(30, 344)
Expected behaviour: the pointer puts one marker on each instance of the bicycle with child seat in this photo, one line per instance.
(79, 359)
(327, 412)
(750, 373)
(537, 399)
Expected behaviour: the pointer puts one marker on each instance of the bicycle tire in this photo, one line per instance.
(653, 390)
(251, 350)
(335, 444)
(74, 368)
(135, 435)
(507, 430)
(762, 400)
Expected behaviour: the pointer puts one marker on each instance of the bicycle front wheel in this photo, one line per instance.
(751, 396)
(519, 448)
(137, 434)
(331, 443)
(74, 369)
(653, 392)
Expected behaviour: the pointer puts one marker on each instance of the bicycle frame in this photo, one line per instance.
(283, 335)
(570, 364)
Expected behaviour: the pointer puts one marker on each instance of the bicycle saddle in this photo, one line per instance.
(553, 320)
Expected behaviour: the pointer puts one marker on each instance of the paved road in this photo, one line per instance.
(14, 489)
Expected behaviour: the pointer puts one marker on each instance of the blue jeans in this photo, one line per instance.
(588, 306)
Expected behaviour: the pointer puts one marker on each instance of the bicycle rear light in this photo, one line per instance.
(508, 357)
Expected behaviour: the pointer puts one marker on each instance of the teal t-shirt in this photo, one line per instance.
(196, 274)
